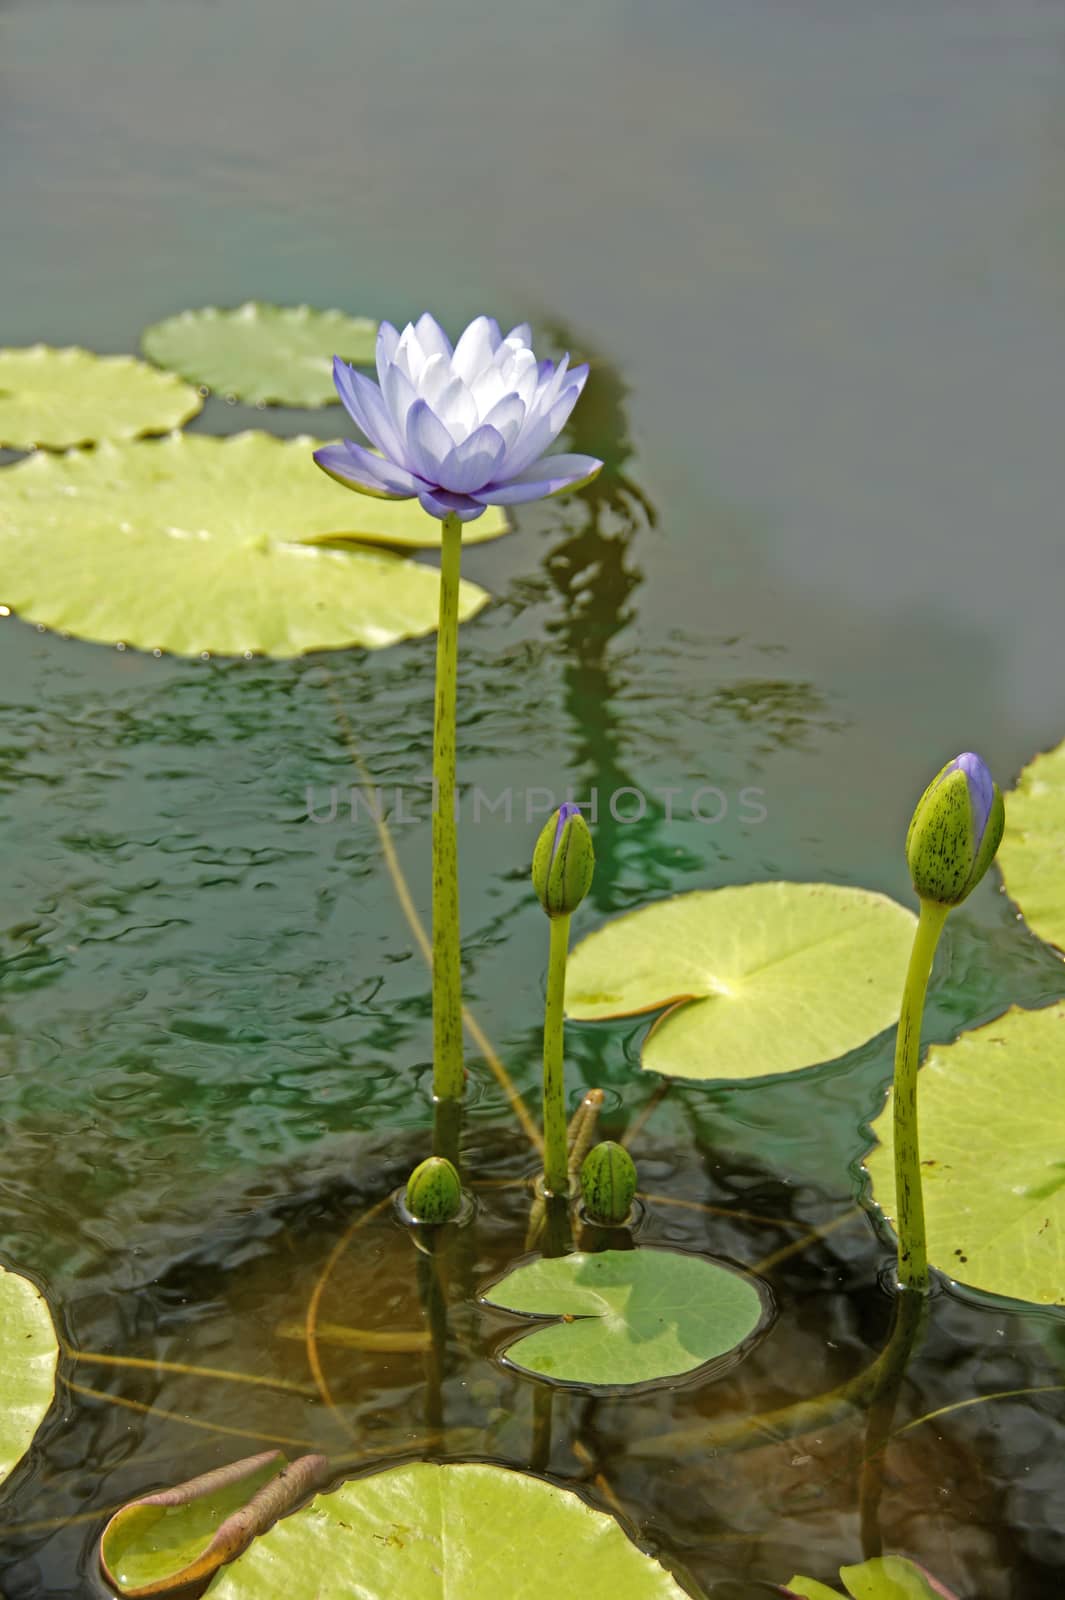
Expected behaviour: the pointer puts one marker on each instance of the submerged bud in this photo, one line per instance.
(563, 861)
(434, 1191)
(955, 831)
(608, 1183)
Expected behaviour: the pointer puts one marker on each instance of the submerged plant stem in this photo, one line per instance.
(909, 1198)
(447, 955)
(556, 1146)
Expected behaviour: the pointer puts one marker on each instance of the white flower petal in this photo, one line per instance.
(488, 388)
(476, 348)
(436, 375)
(409, 354)
(472, 464)
(506, 418)
(457, 410)
(400, 394)
(431, 336)
(387, 340)
(428, 441)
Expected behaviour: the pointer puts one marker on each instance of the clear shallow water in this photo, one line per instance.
(816, 255)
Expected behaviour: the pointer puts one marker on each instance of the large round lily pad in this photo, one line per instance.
(28, 1355)
(266, 355)
(992, 1109)
(59, 398)
(628, 1316)
(1032, 853)
(195, 545)
(428, 1532)
(754, 979)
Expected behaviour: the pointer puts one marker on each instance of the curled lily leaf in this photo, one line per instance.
(165, 1541)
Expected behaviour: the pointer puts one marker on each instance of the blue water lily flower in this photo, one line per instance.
(461, 428)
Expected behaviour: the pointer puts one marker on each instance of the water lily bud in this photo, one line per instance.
(955, 831)
(608, 1183)
(434, 1191)
(563, 861)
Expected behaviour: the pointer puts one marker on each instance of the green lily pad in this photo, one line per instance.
(757, 979)
(628, 1316)
(429, 1532)
(28, 1355)
(165, 1541)
(193, 545)
(881, 1578)
(1032, 853)
(58, 398)
(266, 355)
(992, 1107)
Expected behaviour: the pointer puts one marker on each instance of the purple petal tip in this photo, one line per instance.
(981, 789)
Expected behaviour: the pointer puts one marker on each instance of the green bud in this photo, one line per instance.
(434, 1191)
(563, 862)
(955, 831)
(608, 1183)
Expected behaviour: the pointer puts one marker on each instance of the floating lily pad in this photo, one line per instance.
(882, 1578)
(193, 545)
(628, 1316)
(28, 1355)
(168, 1540)
(759, 978)
(266, 355)
(1032, 853)
(992, 1107)
(57, 398)
(428, 1532)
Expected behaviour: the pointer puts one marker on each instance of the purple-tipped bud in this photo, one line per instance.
(563, 861)
(955, 831)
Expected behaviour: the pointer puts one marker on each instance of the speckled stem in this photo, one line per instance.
(556, 1143)
(447, 954)
(909, 1199)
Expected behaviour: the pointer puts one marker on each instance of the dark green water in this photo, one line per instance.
(817, 253)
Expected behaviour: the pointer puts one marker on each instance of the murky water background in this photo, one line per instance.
(817, 255)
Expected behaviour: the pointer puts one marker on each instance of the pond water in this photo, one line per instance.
(816, 253)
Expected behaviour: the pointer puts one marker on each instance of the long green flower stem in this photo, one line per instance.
(556, 1144)
(909, 1199)
(447, 954)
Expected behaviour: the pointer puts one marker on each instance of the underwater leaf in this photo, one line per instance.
(266, 355)
(429, 1532)
(628, 1316)
(191, 545)
(881, 1578)
(58, 398)
(28, 1355)
(992, 1107)
(757, 978)
(165, 1541)
(1032, 853)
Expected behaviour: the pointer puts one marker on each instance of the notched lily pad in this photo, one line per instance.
(58, 398)
(28, 1355)
(264, 354)
(628, 1316)
(1032, 853)
(195, 545)
(881, 1578)
(754, 979)
(163, 1542)
(429, 1532)
(992, 1107)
